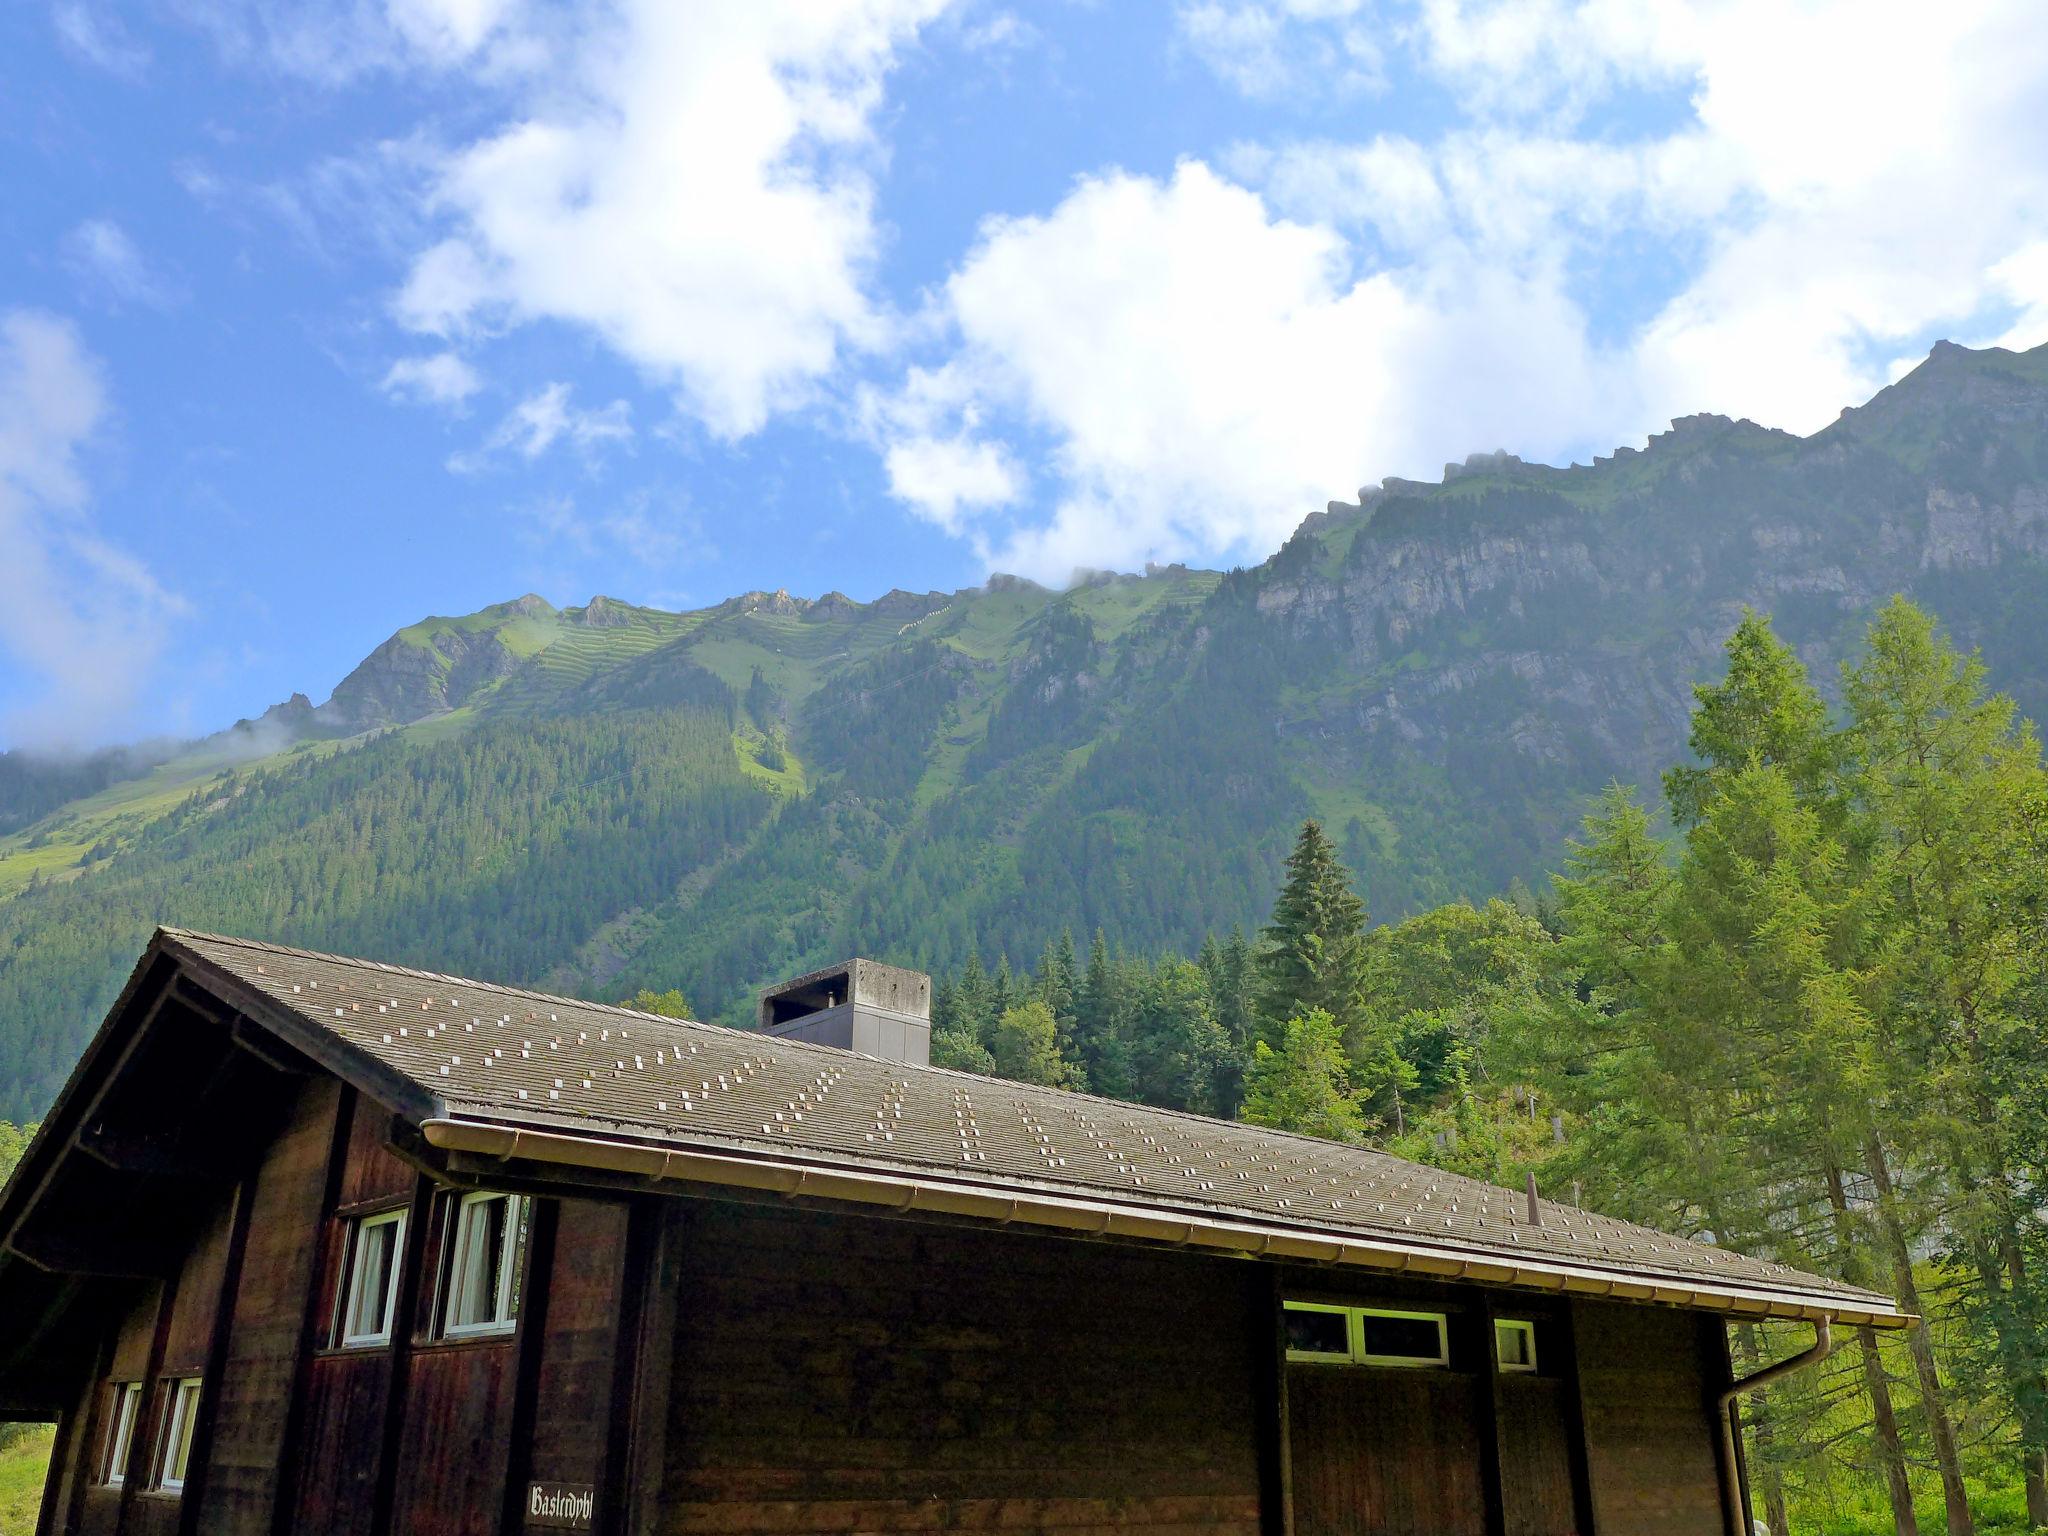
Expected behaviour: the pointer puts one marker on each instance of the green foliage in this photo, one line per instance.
(14, 1140)
(494, 854)
(1026, 1046)
(1313, 960)
(670, 1004)
(1301, 1084)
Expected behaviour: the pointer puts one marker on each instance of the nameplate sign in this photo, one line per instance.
(561, 1506)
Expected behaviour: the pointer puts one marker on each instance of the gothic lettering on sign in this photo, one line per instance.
(561, 1506)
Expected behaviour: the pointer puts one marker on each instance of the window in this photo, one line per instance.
(1318, 1332)
(483, 1270)
(1514, 1344)
(177, 1448)
(1404, 1338)
(371, 1295)
(121, 1430)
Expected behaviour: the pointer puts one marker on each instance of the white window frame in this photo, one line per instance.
(177, 1447)
(503, 1319)
(1354, 1334)
(354, 1279)
(121, 1431)
(1320, 1356)
(1406, 1362)
(1521, 1327)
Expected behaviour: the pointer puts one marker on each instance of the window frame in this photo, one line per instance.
(505, 1303)
(120, 1443)
(1319, 1356)
(181, 1418)
(1524, 1327)
(1442, 1359)
(1354, 1335)
(352, 1274)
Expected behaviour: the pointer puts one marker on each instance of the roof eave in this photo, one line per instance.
(1094, 1216)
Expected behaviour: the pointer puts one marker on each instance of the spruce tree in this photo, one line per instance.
(1313, 958)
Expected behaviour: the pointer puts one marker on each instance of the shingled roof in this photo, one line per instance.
(497, 1071)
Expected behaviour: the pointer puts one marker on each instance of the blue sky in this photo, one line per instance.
(316, 318)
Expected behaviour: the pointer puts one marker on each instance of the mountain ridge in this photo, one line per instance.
(1443, 672)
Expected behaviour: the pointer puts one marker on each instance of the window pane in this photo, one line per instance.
(366, 1315)
(126, 1397)
(184, 1415)
(1515, 1342)
(1403, 1338)
(482, 1276)
(1318, 1333)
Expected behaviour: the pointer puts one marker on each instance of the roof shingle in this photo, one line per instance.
(497, 1055)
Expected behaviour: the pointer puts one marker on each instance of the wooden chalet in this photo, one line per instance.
(318, 1246)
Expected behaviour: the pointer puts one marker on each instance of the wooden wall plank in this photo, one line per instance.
(835, 1373)
(1386, 1452)
(1650, 1438)
(259, 1366)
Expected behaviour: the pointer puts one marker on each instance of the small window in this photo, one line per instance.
(483, 1271)
(177, 1452)
(1514, 1343)
(1404, 1338)
(1318, 1333)
(1335, 1335)
(371, 1295)
(121, 1430)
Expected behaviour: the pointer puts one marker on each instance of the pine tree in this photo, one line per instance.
(1314, 945)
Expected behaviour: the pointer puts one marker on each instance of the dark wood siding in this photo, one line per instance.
(1646, 1384)
(347, 1390)
(455, 1440)
(573, 1401)
(849, 1374)
(1535, 1456)
(1385, 1452)
(260, 1370)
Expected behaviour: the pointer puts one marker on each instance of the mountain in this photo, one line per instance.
(601, 798)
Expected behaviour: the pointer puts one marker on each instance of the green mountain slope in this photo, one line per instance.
(609, 797)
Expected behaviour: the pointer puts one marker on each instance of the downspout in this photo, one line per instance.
(1733, 1504)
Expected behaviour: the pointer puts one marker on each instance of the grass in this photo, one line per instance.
(22, 1466)
(2001, 1510)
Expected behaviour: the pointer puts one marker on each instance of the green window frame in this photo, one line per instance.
(1359, 1341)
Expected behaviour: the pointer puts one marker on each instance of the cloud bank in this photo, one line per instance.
(84, 620)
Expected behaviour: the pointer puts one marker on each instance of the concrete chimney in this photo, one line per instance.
(860, 1005)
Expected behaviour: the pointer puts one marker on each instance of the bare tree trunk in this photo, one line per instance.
(1891, 1454)
(1933, 1398)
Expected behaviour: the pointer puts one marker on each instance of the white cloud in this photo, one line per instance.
(448, 30)
(94, 35)
(693, 185)
(441, 378)
(546, 418)
(1206, 372)
(83, 618)
(1192, 363)
(100, 252)
(1261, 49)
